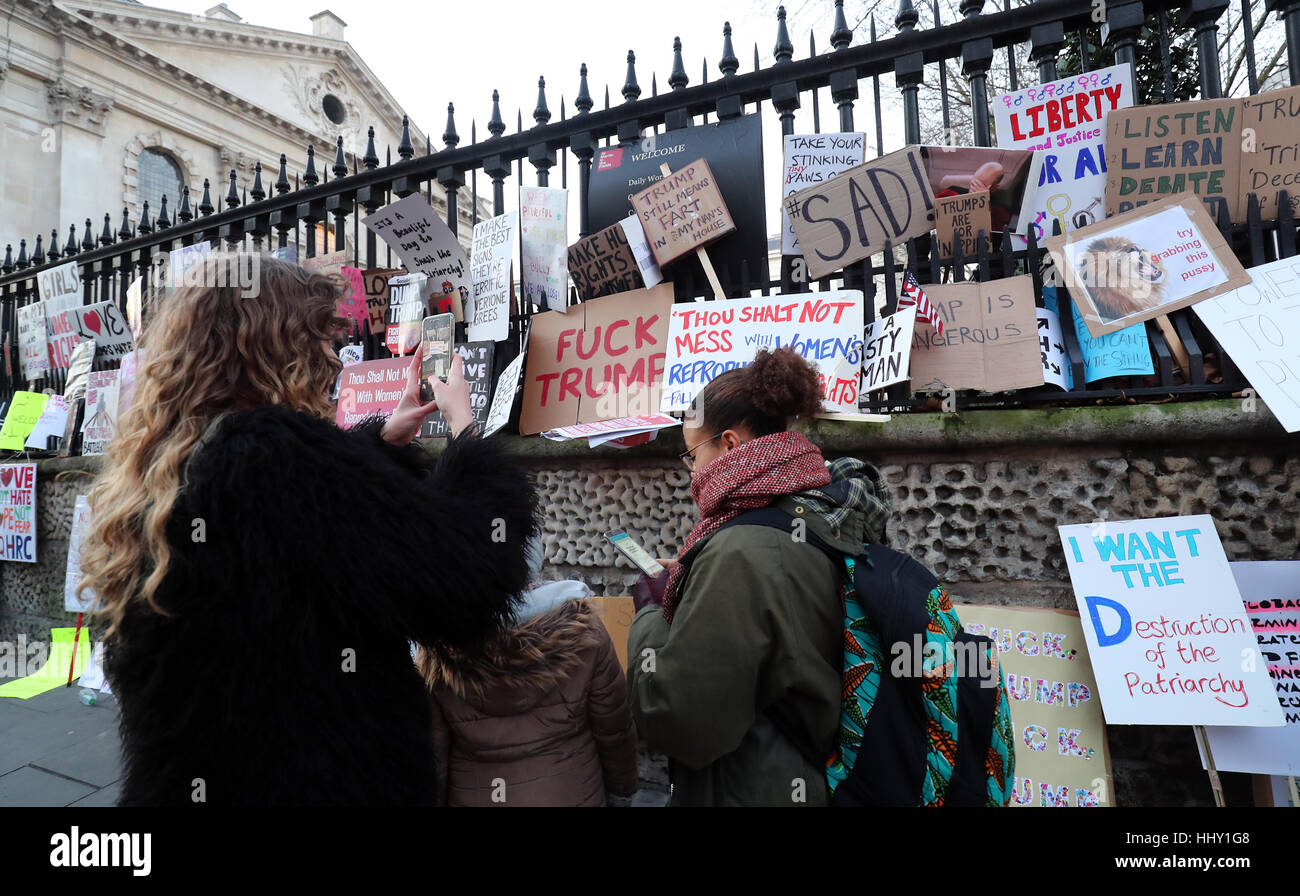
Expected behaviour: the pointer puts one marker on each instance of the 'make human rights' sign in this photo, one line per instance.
(1166, 628)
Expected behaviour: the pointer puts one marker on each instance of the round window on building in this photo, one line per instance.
(332, 106)
(159, 176)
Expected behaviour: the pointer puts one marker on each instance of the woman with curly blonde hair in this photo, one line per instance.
(261, 570)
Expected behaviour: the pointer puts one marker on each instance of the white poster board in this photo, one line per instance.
(887, 350)
(814, 159)
(544, 246)
(494, 241)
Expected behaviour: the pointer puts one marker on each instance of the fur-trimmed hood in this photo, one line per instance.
(516, 670)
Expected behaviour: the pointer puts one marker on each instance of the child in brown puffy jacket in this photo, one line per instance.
(540, 717)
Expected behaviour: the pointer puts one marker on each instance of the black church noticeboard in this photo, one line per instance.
(734, 151)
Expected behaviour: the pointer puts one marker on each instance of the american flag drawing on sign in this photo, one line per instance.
(914, 295)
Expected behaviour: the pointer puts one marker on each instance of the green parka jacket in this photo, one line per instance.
(757, 633)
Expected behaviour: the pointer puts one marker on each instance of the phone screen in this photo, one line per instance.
(435, 351)
(634, 552)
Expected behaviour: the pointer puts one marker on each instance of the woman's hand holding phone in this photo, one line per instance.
(451, 397)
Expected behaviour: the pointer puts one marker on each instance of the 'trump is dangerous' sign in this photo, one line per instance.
(1169, 639)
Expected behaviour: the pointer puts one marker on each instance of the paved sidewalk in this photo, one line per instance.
(56, 752)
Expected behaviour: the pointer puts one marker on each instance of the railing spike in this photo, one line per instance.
(631, 90)
(784, 49)
(728, 64)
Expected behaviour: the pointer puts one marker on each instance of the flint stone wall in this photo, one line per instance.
(977, 498)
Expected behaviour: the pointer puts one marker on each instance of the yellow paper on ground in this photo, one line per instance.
(55, 670)
(21, 419)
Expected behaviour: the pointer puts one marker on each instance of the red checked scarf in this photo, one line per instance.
(749, 476)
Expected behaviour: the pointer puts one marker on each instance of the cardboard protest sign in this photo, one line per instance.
(887, 350)
(408, 304)
(503, 398)
(814, 159)
(1271, 592)
(18, 512)
(477, 360)
(103, 324)
(183, 259)
(352, 305)
(1221, 150)
(603, 359)
(1051, 348)
(72, 572)
(328, 263)
(494, 241)
(852, 216)
(423, 242)
(52, 422)
(1258, 325)
(101, 411)
(24, 411)
(1169, 638)
(961, 170)
(682, 212)
(606, 262)
(959, 220)
(989, 341)
(543, 242)
(1064, 122)
(35, 359)
(616, 615)
(603, 264)
(1125, 352)
(371, 387)
(1062, 758)
(734, 151)
(374, 282)
(709, 338)
(1148, 262)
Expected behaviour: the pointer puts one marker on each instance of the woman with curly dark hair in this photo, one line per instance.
(735, 669)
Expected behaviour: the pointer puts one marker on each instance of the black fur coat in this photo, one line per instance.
(304, 558)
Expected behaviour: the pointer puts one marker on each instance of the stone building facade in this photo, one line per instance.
(106, 104)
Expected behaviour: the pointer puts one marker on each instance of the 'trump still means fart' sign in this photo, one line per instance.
(1166, 629)
(853, 215)
(709, 338)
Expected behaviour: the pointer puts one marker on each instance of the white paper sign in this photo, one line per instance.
(814, 159)
(1259, 327)
(1169, 639)
(1051, 348)
(504, 398)
(31, 341)
(60, 282)
(1271, 591)
(103, 324)
(544, 245)
(183, 259)
(887, 350)
(424, 243)
(53, 421)
(494, 241)
(640, 246)
(1064, 122)
(709, 338)
(72, 576)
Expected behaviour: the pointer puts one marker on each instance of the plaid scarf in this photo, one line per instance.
(747, 477)
(856, 496)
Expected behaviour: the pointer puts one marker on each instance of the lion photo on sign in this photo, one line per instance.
(1121, 277)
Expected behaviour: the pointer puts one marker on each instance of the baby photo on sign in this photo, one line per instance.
(1146, 263)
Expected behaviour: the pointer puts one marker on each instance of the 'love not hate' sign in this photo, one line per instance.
(1166, 628)
(604, 359)
(853, 215)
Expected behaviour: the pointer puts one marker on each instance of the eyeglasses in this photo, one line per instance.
(688, 456)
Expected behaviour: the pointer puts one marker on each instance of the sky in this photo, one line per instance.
(430, 54)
